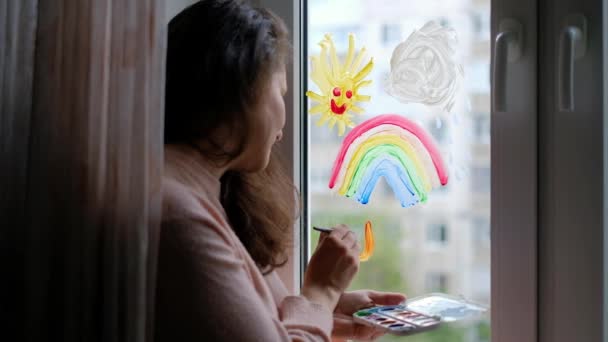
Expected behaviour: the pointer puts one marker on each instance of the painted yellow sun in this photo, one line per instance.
(339, 84)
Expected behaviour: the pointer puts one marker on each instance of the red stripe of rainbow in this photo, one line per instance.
(398, 121)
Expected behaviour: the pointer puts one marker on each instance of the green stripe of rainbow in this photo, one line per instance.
(390, 146)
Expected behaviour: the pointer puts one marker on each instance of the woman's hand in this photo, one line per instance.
(332, 267)
(350, 302)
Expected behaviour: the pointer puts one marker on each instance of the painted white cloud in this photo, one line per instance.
(423, 68)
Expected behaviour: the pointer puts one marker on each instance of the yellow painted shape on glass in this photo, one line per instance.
(339, 84)
(374, 141)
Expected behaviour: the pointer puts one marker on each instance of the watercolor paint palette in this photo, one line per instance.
(419, 314)
(396, 320)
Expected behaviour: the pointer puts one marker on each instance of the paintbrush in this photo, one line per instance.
(367, 252)
(323, 230)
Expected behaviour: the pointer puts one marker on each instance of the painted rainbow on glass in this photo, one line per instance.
(392, 147)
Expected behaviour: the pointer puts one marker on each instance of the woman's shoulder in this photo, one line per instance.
(178, 201)
(181, 204)
(188, 217)
(192, 225)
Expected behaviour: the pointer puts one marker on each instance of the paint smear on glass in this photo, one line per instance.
(339, 84)
(423, 68)
(392, 147)
(368, 251)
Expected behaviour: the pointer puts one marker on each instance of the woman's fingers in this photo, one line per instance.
(337, 232)
(356, 246)
(322, 237)
(386, 298)
(332, 267)
(344, 237)
(349, 240)
(376, 335)
(340, 231)
(348, 234)
(365, 333)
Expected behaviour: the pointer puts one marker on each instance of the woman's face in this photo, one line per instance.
(266, 123)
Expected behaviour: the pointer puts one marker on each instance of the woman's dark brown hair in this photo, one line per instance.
(219, 55)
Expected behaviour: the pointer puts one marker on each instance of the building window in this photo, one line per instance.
(480, 19)
(391, 33)
(481, 128)
(436, 282)
(480, 179)
(437, 234)
(481, 232)
(445, 22)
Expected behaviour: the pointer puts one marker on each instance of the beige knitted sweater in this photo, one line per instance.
(208, 287)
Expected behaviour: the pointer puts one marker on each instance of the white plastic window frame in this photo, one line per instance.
(295, 135)
(514, 222)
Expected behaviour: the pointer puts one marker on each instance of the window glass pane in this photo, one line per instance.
(442, 245)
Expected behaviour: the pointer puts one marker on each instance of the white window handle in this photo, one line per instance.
(507, 49)
(572, 46)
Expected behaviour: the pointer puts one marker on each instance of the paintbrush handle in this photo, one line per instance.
(323, 230)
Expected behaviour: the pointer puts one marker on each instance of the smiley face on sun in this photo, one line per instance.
(339, 84)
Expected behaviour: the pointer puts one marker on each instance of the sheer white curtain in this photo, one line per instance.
(81, 99)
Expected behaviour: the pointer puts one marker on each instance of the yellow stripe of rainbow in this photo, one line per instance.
(384, 141)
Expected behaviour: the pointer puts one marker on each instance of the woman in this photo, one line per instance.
(228, 209)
